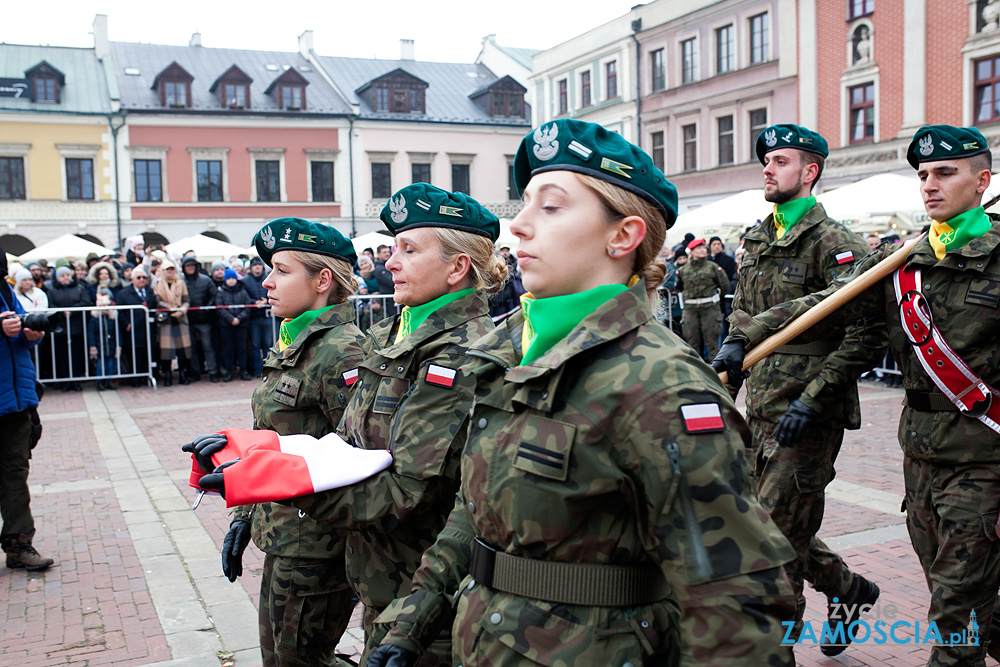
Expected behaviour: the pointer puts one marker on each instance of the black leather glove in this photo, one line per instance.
(215, 481)
(793, 422)
(233, 547)
(203, 447)
(388, 655)
(730, 360)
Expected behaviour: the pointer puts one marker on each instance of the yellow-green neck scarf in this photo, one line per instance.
(548, 321)
(958, 231)
(788, 214)
(290, 328)
(413, 317)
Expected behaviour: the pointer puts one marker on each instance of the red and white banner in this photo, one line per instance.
(274, 467)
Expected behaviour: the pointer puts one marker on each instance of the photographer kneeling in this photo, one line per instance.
(21, 428)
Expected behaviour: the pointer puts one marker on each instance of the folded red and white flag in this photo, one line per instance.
(275, 467)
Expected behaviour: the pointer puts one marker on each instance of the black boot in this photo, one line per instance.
(168, 378)
(848, 610)
(184, 379)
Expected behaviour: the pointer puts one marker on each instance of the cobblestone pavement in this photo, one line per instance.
(138, 579)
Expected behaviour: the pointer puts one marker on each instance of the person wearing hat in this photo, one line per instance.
(260, 319)
(577, 538)
(174, 333)
(201, 292)
(702, 284)
(802, 397)
(412, 398)
(234, 320)
(308, 378)
(949, 435)
(69, 346)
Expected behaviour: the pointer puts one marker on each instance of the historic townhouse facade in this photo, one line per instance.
(56, 137)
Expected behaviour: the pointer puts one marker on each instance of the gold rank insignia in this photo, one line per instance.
(615, 167)
(805, 140)
(307, 238)
(971, 146)
(453, 211)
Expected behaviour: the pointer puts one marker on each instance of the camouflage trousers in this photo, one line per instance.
(701, 325)
(950, 515)
(791, 485)
(305, 607)
(438, 655)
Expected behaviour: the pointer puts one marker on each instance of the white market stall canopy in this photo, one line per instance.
(725, 218)
(206, 249)
(68, 246)
(877, 203)
(371, 240)
(506, 238)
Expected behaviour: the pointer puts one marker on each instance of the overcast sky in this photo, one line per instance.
(444, 30)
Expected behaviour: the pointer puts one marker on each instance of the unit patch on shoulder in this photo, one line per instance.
(844, 257)
(350, 377)
(442, 376)
(702, 418)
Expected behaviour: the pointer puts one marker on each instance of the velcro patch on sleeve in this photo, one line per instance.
(844, 257)
(350, 377)
(442, 376)
(702, 418)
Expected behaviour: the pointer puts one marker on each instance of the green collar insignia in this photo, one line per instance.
(788, 214)
(548, 321)
(413, 317)
(290, 329)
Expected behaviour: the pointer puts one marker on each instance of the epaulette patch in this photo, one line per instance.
(702, 418)
(844, 257)
(350, 377)
(441, 376)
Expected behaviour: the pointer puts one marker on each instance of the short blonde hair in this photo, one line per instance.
(620, 203)
(343, 280)
(487, 270)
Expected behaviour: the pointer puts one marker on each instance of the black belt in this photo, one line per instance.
(583, 584)
(929, 401)
(818, 348)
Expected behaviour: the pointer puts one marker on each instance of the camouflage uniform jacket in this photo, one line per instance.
(394, 516)
(302, 390)
(805, 260)
(581, 456)
(963, 293)
(702, 279)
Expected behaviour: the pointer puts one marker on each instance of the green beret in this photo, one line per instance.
(945, 142)
(588, 148)
(423, 205)
(299, 234)
(787, 135)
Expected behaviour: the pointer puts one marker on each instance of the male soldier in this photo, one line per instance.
(702, 284)
(800, 399)
(946, 296)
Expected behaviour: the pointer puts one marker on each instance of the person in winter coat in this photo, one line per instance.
(31, 297)
(102, 274)
(260, 317)
(233, 324)
(138, 347)
(174, 334)
(21, 430)
(102, 339)
(201, 292)
(70, 345)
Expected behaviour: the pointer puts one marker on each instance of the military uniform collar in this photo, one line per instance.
(767, 233)
(611, 320)
(960, 258)
(448, 316)
(342, 313)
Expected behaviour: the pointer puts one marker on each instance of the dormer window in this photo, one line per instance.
(233, 89)
(173, 85)
(289, 90)
(45, 83)
(504, 98)
(395, 92)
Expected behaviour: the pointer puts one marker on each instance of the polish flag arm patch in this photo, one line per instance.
(350, 377)
(844, 257)
(702, 418)
(442, 376)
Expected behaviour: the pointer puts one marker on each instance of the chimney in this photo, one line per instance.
(406, 49)
(195, 39)
(102, 49)
(306, 43)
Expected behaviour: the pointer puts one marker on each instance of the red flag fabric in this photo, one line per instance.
(274, 467)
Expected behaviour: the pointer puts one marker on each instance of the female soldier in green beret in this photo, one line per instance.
(305, 599)
(605, 515)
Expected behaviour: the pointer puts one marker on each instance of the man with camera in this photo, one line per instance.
(21, 428)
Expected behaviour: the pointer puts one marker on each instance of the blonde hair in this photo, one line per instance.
(487, 270)
(343, 280)
(620, 203)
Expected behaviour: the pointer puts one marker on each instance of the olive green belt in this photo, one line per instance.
(583, 584)
(817, 348)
